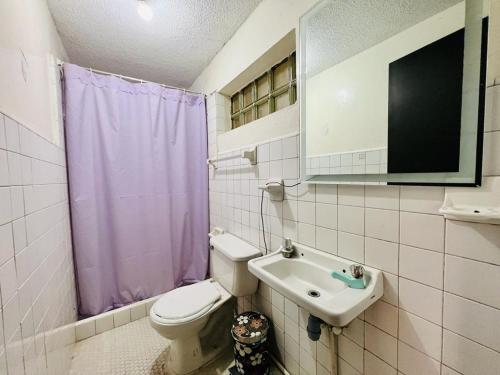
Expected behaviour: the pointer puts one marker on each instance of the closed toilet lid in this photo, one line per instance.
(187, 302)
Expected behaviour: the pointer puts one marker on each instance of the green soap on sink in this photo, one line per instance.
(349, 280)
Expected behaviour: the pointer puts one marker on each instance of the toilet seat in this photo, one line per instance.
(186, 303)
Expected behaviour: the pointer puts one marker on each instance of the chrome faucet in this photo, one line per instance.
(287, 249)
(357, 271)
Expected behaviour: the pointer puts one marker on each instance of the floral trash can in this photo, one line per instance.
(251, 352)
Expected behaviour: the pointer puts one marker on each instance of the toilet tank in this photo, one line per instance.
(229, 256)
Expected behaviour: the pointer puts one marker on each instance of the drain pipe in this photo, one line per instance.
(314, 333)
(333, 340)
(314, 327)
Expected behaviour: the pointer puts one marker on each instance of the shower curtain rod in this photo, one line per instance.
(61, 63)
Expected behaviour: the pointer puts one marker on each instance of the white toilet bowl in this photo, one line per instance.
(193, 313)
(197, 318)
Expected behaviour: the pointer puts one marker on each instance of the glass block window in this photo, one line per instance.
(272, 91)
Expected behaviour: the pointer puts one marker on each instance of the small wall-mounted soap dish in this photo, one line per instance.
(479, 205)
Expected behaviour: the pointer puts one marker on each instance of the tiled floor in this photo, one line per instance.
(132, 349)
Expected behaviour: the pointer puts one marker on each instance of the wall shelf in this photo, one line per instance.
(480, 205)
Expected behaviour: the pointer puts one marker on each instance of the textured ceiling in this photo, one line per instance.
(172, 48)
(339, 29)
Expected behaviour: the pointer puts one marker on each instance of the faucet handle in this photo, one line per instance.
(357, 271)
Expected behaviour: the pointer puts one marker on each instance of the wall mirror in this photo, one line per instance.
(392, 92)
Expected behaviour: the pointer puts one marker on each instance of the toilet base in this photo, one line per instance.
(189, 354)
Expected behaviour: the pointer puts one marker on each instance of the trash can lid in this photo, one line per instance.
(250, 327)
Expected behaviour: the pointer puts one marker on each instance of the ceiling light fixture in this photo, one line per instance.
(144, 10)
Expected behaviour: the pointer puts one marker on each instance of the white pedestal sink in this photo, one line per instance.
(306, 280)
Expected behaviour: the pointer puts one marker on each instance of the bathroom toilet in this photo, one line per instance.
(197, 318)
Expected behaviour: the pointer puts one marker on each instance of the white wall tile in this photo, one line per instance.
(263, 153)
(27, 175)
(121, 317)
(346, 369)
(19, 234)
(468, 357)
(291, 310)
(413, 362)
(17, 202)
(351, 353)
(381, 254)
(326, 240)
(291, 168)
(421, 265)
(326, 194)
(381, 344)
(326, 215)
(306, 192)
(137, 311)
(391, 292)
(306, 212)
(386, 197)
(448, 371)
(351, 246)
(351, 195)
(423, 199)
(375, 366)
(5, 205)
(278, 300)
(103, 322)
(6, 243)
(473, 240)
(4, 168)
(420, 334)
(14, 161)
(85, 329)
(491, 156)
(307, 234)
(383, 316)
(11, 317)
(275, 150)
(421, 300)
(473, 320)
(324, 357)
(3, 141)
(421, 230)
(351, 219)
(12, 135)
(461, 278)
(276, 169)
(8, 280)
(382, 224)
(290, 147)
(355, 331)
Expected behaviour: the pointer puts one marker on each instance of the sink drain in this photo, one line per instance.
(313, 293)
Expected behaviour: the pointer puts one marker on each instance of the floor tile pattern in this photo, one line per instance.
(132, 349)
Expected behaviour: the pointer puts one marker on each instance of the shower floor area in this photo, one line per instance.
(133, 349)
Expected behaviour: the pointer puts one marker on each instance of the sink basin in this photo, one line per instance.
(306, 280)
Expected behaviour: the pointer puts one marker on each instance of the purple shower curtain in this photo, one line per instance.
(138, 188)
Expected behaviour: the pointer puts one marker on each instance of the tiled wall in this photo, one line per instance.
(441, 304)
(36, 264)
